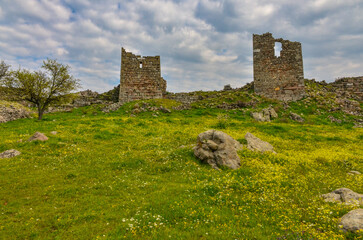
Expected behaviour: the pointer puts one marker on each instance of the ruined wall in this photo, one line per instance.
(350, 87)
(279, 77)
(140, 77)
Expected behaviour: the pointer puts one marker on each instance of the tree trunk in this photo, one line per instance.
(40, 113)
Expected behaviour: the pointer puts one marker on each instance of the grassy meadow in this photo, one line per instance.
(117, 176)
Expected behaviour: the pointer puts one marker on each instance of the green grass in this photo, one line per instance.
(112, 176)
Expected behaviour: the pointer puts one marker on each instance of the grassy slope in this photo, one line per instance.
(111, 176)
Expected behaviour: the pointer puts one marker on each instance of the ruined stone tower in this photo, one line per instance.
(140, 77)
(279, 77)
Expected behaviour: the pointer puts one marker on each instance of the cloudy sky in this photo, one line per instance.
(203, 44)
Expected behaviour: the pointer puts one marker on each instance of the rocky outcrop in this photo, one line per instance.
(12, 111)
(344, 195)
(38, 137)
(9, 153)
(218, 149)
(352, 221)
(256, 144)
(265, 115)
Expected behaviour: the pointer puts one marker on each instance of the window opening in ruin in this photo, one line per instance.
(278, 48)
(141, 65)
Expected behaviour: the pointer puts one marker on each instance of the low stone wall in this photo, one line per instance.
(185, 98)
(351, 87)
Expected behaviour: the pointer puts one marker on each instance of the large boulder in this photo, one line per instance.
(265, 115)
(218, 149)
(38, 137)
(256, 144)
(9, 153)
(344, 195)
(352, 221)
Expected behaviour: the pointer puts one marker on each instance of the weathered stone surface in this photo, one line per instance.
(9, 153)
(38, 137)
(140, 78)
(86, 98)
(344, 195)
(296, 117)
(352, 221)
(111, 107)
(279, 77)
(218, 149)
(265, 115)
(349, 87)
(164, 110)
(256, 144)
(333, 119)
(11, 112)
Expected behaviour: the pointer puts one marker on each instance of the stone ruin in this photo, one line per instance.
(350, 87)
(277, 76)
(140, 78)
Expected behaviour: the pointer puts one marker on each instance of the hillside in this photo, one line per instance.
(132, 174)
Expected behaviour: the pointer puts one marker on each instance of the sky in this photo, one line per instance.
(202, 44)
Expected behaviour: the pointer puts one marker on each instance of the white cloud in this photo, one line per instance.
(203, 44)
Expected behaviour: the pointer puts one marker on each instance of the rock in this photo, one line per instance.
(272, 113)
(86, 98)
(38, 136)
(218, 149)
(258, 116)
(111, 107)
(354, 173)
(352, 221)
(296, 117)
(12, 111)
(9, 153)
(265, 115)
(256, 144)
(333, 119)
(344, 195)
(164, 110)
(136, 111)
(54, 132)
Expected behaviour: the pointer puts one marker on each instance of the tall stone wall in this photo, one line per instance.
(278, 77)
(140, 77)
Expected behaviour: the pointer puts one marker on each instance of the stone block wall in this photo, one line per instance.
(351, 87)
(278, 77)
(140, 78)
(185, 98)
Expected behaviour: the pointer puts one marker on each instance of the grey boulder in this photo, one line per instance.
(218, 149)
(352, 221)
(265, 115)
(256, 144)
(9, 153)
(38, 137)
(344, 195)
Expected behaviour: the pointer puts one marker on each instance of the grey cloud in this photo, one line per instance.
(203, 44)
